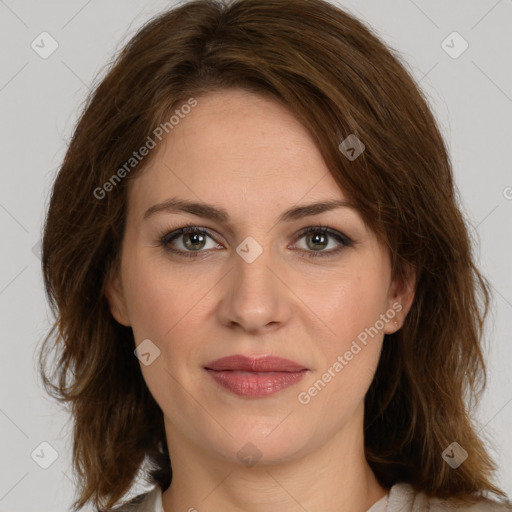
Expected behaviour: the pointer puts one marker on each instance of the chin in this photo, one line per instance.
(265, 442)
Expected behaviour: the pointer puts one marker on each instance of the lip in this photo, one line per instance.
(255, 377)
(255, 364)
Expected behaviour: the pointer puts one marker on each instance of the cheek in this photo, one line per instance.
(351, 304)
(155, 298)
(168, 306)
(161, 307)
(351, 348)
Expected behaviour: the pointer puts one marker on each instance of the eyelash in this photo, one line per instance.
(166, 237)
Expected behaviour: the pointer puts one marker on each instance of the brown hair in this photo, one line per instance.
(339, 79)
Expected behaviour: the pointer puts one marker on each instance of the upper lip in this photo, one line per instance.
(255, 364)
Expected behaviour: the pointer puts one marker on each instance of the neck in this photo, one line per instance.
(334, 477)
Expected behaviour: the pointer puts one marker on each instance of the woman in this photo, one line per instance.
(263, 279)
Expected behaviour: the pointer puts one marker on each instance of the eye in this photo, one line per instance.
(317, 238)
(194, 239)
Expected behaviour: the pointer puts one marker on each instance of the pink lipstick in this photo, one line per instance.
(255, 377)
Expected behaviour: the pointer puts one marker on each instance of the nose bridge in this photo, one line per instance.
(255, 267)
(256, 296)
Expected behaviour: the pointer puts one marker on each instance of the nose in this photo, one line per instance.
(256, 297)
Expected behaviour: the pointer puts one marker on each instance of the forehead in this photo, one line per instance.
(236, 146)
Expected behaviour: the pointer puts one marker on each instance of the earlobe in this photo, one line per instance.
(401, 297)
(116, 300)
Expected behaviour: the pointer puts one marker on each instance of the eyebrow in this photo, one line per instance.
(176, 205)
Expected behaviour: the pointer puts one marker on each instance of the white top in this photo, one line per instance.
(400, 498)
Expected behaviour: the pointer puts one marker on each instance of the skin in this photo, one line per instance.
(249, 155)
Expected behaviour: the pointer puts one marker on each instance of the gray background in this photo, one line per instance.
(39, 103)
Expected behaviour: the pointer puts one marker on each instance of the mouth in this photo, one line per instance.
(255, 377)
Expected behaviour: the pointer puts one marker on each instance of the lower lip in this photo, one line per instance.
(255, 384)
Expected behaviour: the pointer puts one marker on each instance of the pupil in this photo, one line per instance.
(316, 237)
(194, 238)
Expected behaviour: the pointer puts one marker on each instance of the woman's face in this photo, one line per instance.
(252, 285)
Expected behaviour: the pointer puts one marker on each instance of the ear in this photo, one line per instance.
(400, 299)
(116, 299)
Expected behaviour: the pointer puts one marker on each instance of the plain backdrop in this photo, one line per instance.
(40, 100)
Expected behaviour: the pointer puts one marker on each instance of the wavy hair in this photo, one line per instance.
(338, 78)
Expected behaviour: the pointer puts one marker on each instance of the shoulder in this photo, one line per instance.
(146, 502)
(403, 497)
